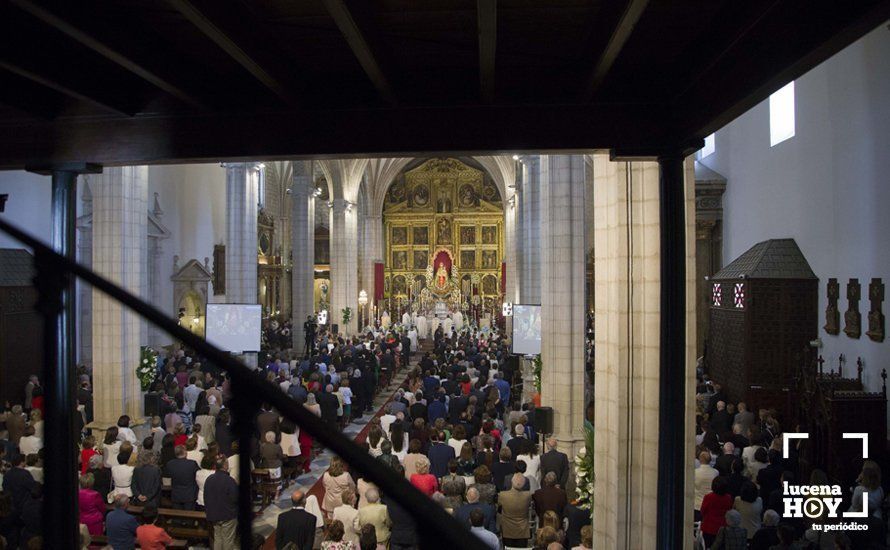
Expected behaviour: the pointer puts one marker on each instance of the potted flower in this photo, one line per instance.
(147, 369)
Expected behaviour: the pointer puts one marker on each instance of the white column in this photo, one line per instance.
(241, 236)
(119, 253)
(344, 264)
(627, 308)
(562, 295)
(511, 245)
(303, 247)
(373, 244)
(530, 276)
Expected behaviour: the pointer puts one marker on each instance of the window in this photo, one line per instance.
(261, 185)
(739, 297)
(709, 147)
(781, 115)
(717, 295)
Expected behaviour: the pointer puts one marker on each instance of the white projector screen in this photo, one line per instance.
(526, 329)
(234, 327)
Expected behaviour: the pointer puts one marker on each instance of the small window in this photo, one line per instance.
(781, 115)
(709, 147)
(739, 296)
(717, 295)
(261, 185)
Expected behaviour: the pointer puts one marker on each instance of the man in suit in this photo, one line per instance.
(403, 531)
(462, 514)
(724, 461)
(556, 462)
(183, 487)
(513, 505)
(439, 455)
(329, 405)
(550, 497)
(15, 424)
(268, 421)
(296, 525)
(502, 468)
(374, 513)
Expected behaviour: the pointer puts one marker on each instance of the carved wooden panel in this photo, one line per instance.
(832, 313)
(852, 317)
(875, 316)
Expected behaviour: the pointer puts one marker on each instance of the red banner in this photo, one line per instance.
(378, 281)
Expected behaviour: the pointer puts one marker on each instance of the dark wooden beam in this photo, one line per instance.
(220, 22)
(80, 90)
(358, 43)
(288, 134)
(487, 11)
(76, 31)
(29, 97)
(757, 64)
(619, 38)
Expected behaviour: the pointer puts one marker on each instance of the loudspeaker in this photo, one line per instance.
(153, 404)
(544, 420)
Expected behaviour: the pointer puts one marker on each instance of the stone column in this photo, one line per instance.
(511, 243)
(344, 264)
(85, 291)
(627, 264)
(562, 295)
(373, 244)
(303, 247)
(530, 276)
(242, 188)
(119, 253)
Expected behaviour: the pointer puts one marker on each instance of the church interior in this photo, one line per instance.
(276, 276)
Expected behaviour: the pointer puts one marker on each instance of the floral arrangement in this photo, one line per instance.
(147, 369)
(347, 315)
(584, 477)
(538, 364)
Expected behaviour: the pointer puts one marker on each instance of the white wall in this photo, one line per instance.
(827, 187)
(193, 198)
(27, 206)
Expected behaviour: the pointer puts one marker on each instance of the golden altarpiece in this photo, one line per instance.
(444, 234)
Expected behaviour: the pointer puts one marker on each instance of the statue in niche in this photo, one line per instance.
(421, 195)
(441, 277)
(832, 314)
(467, 196)
(875, 317)
(443, 231)
(443, 203)
(852, 317)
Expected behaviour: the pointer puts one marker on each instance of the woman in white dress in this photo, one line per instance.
(122, 475)
(202, 475)
(532, 460)
(111, 447)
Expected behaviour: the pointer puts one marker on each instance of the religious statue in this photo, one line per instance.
(443, 204)
(443, 235)
(441, 277)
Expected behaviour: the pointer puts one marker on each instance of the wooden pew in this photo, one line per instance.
(100, 541)
(180, 524)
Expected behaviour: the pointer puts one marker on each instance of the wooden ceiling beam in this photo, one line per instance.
(358, 43)
(77, 31)
(80, 91)
(221, 24)
(487, 16)
(629, 19)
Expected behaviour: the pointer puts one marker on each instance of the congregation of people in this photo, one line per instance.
(455, 428)
(740, 475)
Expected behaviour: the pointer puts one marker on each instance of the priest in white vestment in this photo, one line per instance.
(447, 324)
(384, 320)
(412, 336)
(458, 321)
(421, 327)
(434, 325)
(406, 319)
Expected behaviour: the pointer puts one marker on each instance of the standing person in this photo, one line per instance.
(91, 506)
(513, 505)
(556, 462)
(184, 488)
(120, 526)
(149, 535)
(221, 505)
(336, 481)
(33, 382)
(296, 526)
(146, 481)
(309, 328)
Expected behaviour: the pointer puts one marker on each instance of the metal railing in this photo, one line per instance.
(435, 527)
